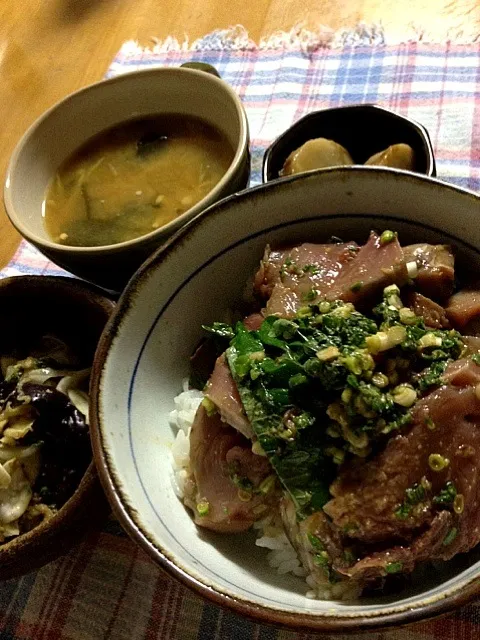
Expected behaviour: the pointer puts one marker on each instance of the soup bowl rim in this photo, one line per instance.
(170, 227)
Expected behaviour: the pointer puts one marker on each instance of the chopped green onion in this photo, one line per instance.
(304, 312)
(384, 340)
(476, 358)
(257, 449)
(459, 503)
(268, 484)
(329, 353)
(209, 407)
(391, 290)
(426, 484)
(436, 462)
(429, 340)
(203, 508)
(404, 395)
(380, 380)
(387, 237)
(412, 269)
(356, 287)
(407, 316)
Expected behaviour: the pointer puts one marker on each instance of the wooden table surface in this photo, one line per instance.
(49, 48)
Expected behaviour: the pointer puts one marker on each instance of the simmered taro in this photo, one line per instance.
(44, 438)
(342, 420)
(320, 153)
(398, 156)
(316, 154)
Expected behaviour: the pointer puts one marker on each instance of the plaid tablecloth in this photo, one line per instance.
(107, 587)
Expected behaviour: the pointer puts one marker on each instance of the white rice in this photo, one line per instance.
(271, 535)
(181, 418)
(282, 556)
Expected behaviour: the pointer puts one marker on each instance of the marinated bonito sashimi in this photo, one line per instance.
(344, 413)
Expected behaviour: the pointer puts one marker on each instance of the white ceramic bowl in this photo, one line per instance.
(144, 355)
(82, 115)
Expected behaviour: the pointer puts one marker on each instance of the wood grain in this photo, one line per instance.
(49, 48)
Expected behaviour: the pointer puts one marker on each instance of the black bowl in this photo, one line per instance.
(362, 129)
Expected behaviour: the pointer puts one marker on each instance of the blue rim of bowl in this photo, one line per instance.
(127, 514)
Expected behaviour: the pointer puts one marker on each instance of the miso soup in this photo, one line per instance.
(134, 178)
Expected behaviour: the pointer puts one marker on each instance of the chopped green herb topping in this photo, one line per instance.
(394, 567)
(290, 267)
(403, 511)
(316, 543)
(357, 286)
(476, 358)
(220, 330)
(446, 495)
(413, 495)
(310, 295)
(450, 537)
(432, 376)
(310, 268)
(241, 482)
(329, 382)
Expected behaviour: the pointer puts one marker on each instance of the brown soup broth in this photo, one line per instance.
(134, 178)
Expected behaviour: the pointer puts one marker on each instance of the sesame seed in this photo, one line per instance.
(186, 201)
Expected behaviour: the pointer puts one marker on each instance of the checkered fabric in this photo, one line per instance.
(107, 587)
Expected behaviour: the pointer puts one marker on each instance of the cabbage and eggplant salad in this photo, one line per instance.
(44, 435)
(347, 403)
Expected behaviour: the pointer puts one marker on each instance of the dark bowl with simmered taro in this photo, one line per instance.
(49, 490)
(325, 449)
(361, 134)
